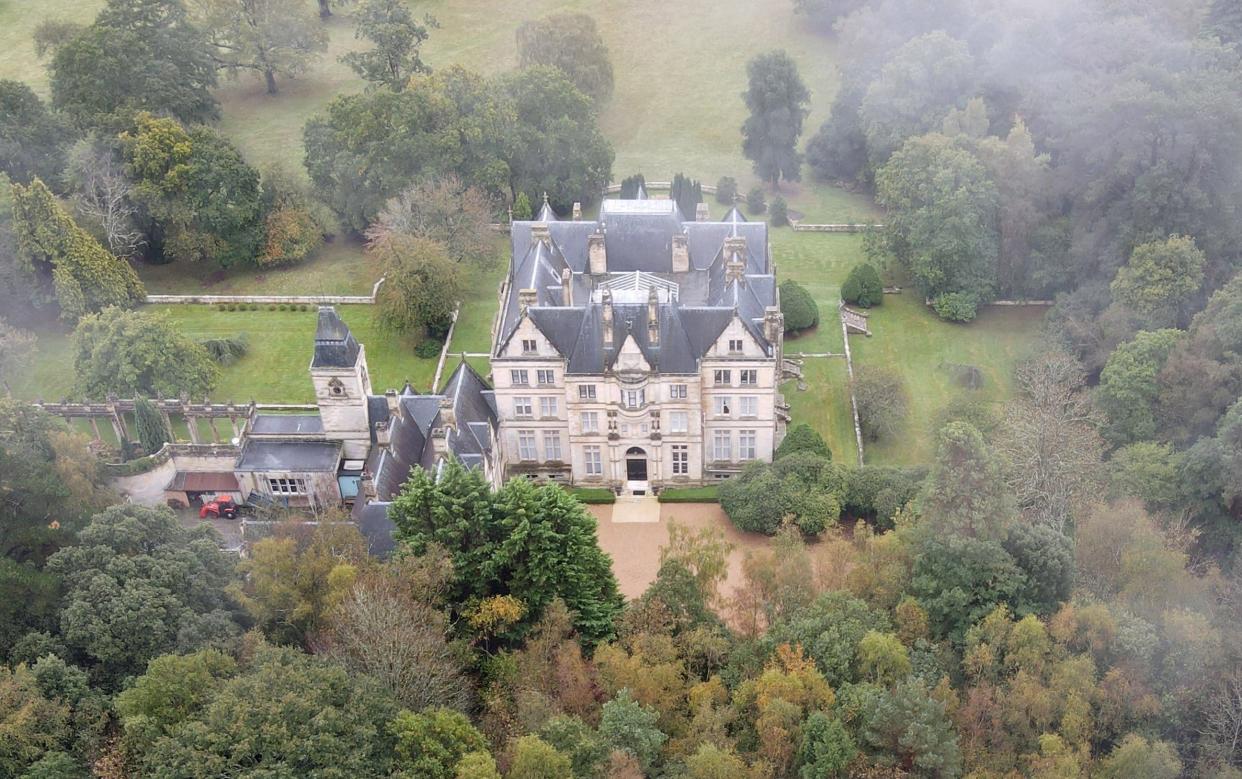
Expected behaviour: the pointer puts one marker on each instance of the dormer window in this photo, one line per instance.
(336, 389)
(735, 346)
(530, 346)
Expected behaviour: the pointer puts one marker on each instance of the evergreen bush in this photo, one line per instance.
(863, 286)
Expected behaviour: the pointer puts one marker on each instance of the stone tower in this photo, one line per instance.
(339, 372)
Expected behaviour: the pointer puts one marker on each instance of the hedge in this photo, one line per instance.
(689, 495)
(597, 495)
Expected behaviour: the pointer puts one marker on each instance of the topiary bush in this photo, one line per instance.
(956, 306)
(756, 202)
(799, 308)
(726, 190)
(222, 307)
(863, 286)
(778, 214)
(803, 438)
(271, 306)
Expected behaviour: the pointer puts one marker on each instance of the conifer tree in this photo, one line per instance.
(152, 432)
(85, 276)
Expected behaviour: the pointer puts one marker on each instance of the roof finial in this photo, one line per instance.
(545, 197)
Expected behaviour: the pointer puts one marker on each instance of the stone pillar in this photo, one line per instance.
(192, 423)
(95, 427)
(168, 425)
(215, 434)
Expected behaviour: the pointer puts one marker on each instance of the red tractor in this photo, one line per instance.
(220, 506)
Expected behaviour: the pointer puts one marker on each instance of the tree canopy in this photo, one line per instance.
(139, 55)
(571, 43)
(364, 149)
(80, 273)
(776, 99)
(128, 353)
(557, 145)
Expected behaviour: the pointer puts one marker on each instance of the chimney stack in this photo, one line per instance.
(448, 415)
(577, 212)
(526, 299)
(735, 258)
(700, 212)
(773, 324)
(567, 287)
(394, 406)
(539, 233)
(681, 253)
(607, 301)
(653, 317)
(596, 255)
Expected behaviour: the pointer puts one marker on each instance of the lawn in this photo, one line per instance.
(924, 350)
(274, 371)
(905, 335)
(339, 268)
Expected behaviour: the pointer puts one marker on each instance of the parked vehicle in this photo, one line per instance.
(220, 506)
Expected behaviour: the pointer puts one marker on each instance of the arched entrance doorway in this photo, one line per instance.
(635, 464)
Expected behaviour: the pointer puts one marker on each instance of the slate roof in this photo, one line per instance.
(410, 432)
(335, 345)
(287, 424)
(263, 456)
(638, 236)
(376, 527)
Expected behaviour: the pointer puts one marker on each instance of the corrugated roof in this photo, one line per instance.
(203, 481)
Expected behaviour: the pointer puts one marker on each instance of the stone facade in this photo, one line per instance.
(662, 374)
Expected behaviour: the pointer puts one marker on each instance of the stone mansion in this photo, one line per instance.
(637, 351)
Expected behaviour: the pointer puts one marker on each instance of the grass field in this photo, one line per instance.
(274, 371)
(676, 106)
(906, 336)
(339, 268)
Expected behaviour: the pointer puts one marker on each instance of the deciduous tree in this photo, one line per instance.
(268, 37)
(139, 55)
(390, 627)
(201, 193)
(397, 38)
(444, 210)
(1128, 386)
(925, 79)
(941, 222)
(364, 149)
(422, 284)
(571, 43)
(557, 145)
(130, 353)
(882, 401)
(776, 99)
(32, 138)
(1159, 280)
(103, 194)
(1050, 440)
